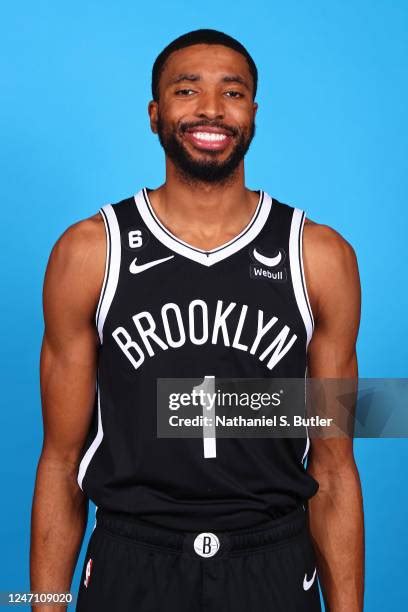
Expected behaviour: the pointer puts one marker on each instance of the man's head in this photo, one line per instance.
(203, 86)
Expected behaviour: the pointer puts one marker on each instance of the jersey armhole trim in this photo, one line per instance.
(297, 271)
(86, 459)
(112, 267)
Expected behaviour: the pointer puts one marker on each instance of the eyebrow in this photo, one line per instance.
(230, 78)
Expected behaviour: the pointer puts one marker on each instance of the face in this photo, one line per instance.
(205, 114)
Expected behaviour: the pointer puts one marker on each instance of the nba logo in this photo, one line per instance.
(206, 544)
(88, 572)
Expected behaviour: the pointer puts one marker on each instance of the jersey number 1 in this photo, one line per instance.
(209, 441)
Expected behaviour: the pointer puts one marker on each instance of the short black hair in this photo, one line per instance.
(197, 37)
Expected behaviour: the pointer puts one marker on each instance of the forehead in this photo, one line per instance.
(207, 61)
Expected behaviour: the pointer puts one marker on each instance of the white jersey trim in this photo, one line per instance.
(86, 459)
(206, 258)
(112, 267)
(297, 271)
(109, 285)
(107, 259)
(305, 454)
(307, 446)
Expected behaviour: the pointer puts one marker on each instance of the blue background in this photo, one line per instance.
(331, 139)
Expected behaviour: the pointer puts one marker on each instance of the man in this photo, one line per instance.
(199, 278)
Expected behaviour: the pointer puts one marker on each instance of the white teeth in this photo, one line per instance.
(210, 136)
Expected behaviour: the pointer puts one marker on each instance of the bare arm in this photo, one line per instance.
(336, 511)
(68, 361)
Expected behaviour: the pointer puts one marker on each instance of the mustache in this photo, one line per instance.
(232, 131)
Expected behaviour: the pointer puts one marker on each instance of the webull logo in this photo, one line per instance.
(259, 272)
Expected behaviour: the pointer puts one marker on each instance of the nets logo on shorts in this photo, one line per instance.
(206, 544)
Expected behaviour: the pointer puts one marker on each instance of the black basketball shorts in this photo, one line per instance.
(131, 566)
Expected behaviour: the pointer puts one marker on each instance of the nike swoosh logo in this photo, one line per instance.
(136, 269)
(268, 261)
(308, 583)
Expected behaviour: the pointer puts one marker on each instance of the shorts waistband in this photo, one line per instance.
(271, 532)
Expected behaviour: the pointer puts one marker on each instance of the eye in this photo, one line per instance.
(184, 92)
(234, 94)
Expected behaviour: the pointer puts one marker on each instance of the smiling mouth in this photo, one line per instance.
(208, 139)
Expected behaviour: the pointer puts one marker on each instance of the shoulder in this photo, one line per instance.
(326, 246)
(80, 241)
(80, 237)
(77, 262)
(330, 263)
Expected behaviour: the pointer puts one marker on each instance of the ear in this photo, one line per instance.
(153, 110)
(255, 107)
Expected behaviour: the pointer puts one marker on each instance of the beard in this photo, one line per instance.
(204, 170)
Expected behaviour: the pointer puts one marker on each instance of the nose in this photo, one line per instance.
(210, 105)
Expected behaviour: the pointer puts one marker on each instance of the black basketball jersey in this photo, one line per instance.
(168, 309)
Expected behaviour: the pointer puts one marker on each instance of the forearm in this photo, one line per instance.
(58, 522)
(337, 530)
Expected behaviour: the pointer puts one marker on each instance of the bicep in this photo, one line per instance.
(70, 345)
(333, 272)
(332, 350)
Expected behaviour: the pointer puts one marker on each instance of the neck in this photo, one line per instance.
(203, 211)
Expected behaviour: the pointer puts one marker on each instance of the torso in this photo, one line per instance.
(125, 466)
